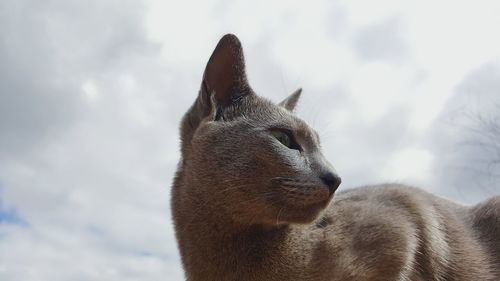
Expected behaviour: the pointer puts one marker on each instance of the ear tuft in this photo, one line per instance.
(291, 101)
(225, 71)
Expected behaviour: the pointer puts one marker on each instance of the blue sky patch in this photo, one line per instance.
(10, 216)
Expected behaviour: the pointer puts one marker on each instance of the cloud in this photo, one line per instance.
(465, 142)
(382, 41)
(86, 154)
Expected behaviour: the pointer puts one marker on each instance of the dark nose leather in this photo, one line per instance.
(331, 180)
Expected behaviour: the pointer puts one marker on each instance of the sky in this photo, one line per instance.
(92, 92)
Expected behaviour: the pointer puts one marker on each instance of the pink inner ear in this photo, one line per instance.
(225, 71)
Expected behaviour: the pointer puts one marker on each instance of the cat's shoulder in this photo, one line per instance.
(381, 192)
(387, 200)
(389, 192)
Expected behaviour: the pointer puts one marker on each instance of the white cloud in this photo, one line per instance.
(90, 91)
(409, 164)
(376, 87)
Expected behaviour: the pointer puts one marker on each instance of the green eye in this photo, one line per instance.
(283, 137)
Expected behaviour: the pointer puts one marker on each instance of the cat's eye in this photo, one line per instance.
(286, 139)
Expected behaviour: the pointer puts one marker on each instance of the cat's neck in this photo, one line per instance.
(214, 247)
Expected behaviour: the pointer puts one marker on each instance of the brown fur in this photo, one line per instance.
(246, 207)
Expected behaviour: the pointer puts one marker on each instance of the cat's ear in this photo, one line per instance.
(291, 101)
(225, 75)
(224, 82)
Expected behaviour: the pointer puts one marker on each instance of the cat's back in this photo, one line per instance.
(405, 232)
(397, 206)
(391, 197)
(484, 219)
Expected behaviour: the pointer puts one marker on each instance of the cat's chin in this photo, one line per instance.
(300, 204)
(299, 215)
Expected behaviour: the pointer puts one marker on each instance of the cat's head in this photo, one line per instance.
(247, 157)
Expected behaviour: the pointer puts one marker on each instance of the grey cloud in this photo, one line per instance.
(32, 103)
(68, 165)
(382, 41)
(47, 50)
(464, 144)
(364, 149)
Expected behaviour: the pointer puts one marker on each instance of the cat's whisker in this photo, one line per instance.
(278, 216)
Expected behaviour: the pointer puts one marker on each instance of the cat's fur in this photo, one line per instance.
(246, 207)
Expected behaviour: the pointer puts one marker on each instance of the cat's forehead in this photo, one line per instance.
(269, 114)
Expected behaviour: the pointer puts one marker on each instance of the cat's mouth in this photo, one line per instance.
(299, 201)
(302, 193)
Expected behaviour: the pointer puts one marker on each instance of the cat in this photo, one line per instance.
(255, 199)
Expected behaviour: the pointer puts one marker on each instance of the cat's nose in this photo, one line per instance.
(331, 180)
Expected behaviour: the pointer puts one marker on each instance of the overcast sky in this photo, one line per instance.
(91, 94)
